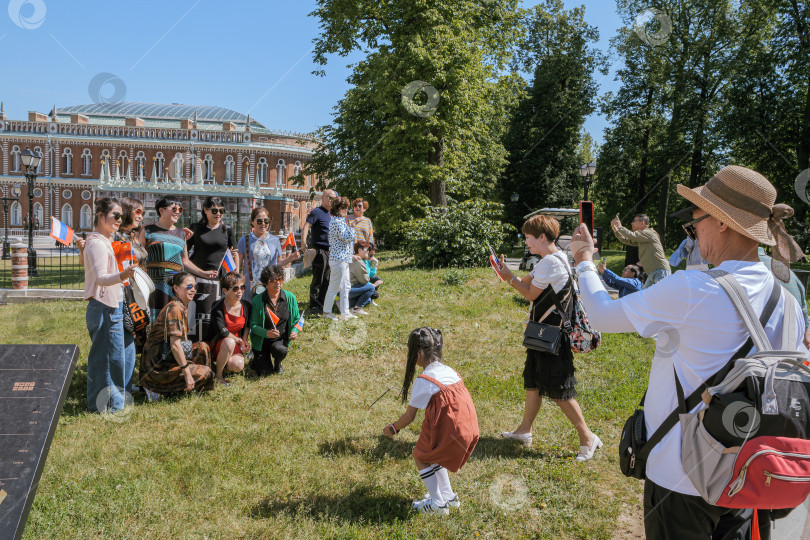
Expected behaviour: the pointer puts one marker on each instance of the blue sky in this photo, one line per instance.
(251, 56)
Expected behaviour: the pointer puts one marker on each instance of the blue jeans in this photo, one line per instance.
(656, 276)
(106, 362)
(360, 295)
(129, 360)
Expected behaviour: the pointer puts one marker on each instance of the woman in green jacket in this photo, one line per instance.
(272, 322)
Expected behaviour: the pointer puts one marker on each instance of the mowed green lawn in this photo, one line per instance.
(301, 455)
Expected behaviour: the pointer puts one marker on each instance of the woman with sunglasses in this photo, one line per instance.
(229, 330)
(166, 252)
(259, 249)
(106, 362)
(181, 369)
(211, 239)
(363, 229)
(272, 323)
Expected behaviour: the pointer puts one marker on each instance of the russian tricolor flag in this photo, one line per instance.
(228, 262)
(300, 324)
(61, 232)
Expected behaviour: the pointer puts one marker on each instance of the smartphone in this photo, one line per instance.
(604, 260)
(586, 214)
(494, 257)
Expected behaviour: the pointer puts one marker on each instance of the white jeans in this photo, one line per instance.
(339, 281)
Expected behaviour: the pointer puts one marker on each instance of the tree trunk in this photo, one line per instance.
(438, 195)
(664, 209)
(696, 172)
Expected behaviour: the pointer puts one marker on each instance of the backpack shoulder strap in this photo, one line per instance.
(739, 298)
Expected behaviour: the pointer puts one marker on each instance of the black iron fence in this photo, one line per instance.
(56, 268)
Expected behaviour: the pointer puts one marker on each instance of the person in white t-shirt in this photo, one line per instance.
(697, 330)
(546, 374)
(450, 429)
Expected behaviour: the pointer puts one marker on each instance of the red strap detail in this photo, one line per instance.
(431, 379)
(755, 527)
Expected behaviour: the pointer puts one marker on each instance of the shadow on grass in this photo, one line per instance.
(487, 447)
(360, 505)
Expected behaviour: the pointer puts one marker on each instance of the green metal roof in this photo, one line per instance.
(158, 111)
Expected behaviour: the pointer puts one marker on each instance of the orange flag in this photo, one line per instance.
(273, 317)
(290, 241)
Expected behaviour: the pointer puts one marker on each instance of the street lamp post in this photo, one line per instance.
(6, 247)
(31, 163)
(586, 173)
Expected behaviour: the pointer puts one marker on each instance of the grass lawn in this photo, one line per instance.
(301, 455)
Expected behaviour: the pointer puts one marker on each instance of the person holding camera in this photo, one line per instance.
(698, 329)
(650, 249)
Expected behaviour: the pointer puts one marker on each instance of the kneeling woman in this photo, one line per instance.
(180, 365)
(229, 329)
(275, 313)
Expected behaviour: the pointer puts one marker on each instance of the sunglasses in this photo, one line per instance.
(176, 209)
(276, 280)
(216, 211)
(262, 222)
(237, 288)
(689, 227)
(191, 286)
(138, 212)
(358, 205)
(117, 216)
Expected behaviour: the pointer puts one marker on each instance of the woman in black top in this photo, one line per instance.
(229, 330)
(207, 246)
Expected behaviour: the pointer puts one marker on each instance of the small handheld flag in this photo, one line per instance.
(273, 317)
(290, 241)
(493, 261)
(300, 324)
(228, 262)
(61, 232)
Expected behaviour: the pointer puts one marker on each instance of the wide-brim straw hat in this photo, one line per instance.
(741, 198)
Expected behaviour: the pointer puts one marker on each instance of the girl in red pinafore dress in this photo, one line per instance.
(450, 429)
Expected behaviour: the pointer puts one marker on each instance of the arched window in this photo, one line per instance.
(86, 218)
(261, 171)
(15, 158)
(66, 215)
(87, 162)
(229, 169)
(67, 161)
(140, 165)
(281, 170)
(16, 214)
(246, 168)
(177, 166)
(38, 215)
(208, 167)
(123, 158)
(297, 168)
(41, 167)
(160, 163)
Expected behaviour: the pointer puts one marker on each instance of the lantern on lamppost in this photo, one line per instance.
(31, 162)
(586, 173)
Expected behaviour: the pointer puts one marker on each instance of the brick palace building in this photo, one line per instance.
(144, 150)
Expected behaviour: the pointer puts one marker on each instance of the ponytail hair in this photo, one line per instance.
(175, 280)
(428, 341)
(103, 206)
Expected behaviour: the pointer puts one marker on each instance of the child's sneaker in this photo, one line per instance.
(375, 304)
(427, 506)
(454, 502)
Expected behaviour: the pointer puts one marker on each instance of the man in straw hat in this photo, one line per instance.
(697, 330)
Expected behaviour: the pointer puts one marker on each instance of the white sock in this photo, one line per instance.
(431, 482)
(444, 484)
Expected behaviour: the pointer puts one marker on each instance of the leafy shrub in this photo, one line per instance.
(456, 276)
(458, 235)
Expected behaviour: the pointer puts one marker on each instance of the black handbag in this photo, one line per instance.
(165, 354)
(135, 319)
(544, 337)
(634, 436)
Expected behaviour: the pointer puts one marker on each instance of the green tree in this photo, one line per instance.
(544, 135)
(405, 144)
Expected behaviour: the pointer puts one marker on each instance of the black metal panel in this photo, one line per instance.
(34, 381)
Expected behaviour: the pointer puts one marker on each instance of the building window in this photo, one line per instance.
(16, 214)
(67, 161)
(41, 167)
(86, 195)
(140, 165)
(281, 170)
(15, 159)
(229, 168)
(87, 162)
(160, 162)
(246, 168)
(177, 166)
(67, 215)
(38, 216)
(86, 218)
(208, 167)
(297, 168)
(261, 171)
(123, 160)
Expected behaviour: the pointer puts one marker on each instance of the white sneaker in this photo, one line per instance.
(330, 316)
(524, 438)
(375, 304)
(359, 311)
(348, 316)
(586, 453)
(454, 502)
(427, 506)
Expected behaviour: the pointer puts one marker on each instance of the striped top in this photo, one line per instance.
(363, 230)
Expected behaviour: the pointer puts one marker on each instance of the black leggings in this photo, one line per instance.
(273, 352)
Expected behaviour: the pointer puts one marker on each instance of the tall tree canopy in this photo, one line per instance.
(429, 102)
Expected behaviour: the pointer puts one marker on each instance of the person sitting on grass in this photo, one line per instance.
(362, 288)
(229, 329)
(272, 322)
(450, 428)
(182, 366)
(371, 265)
(628, 283)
